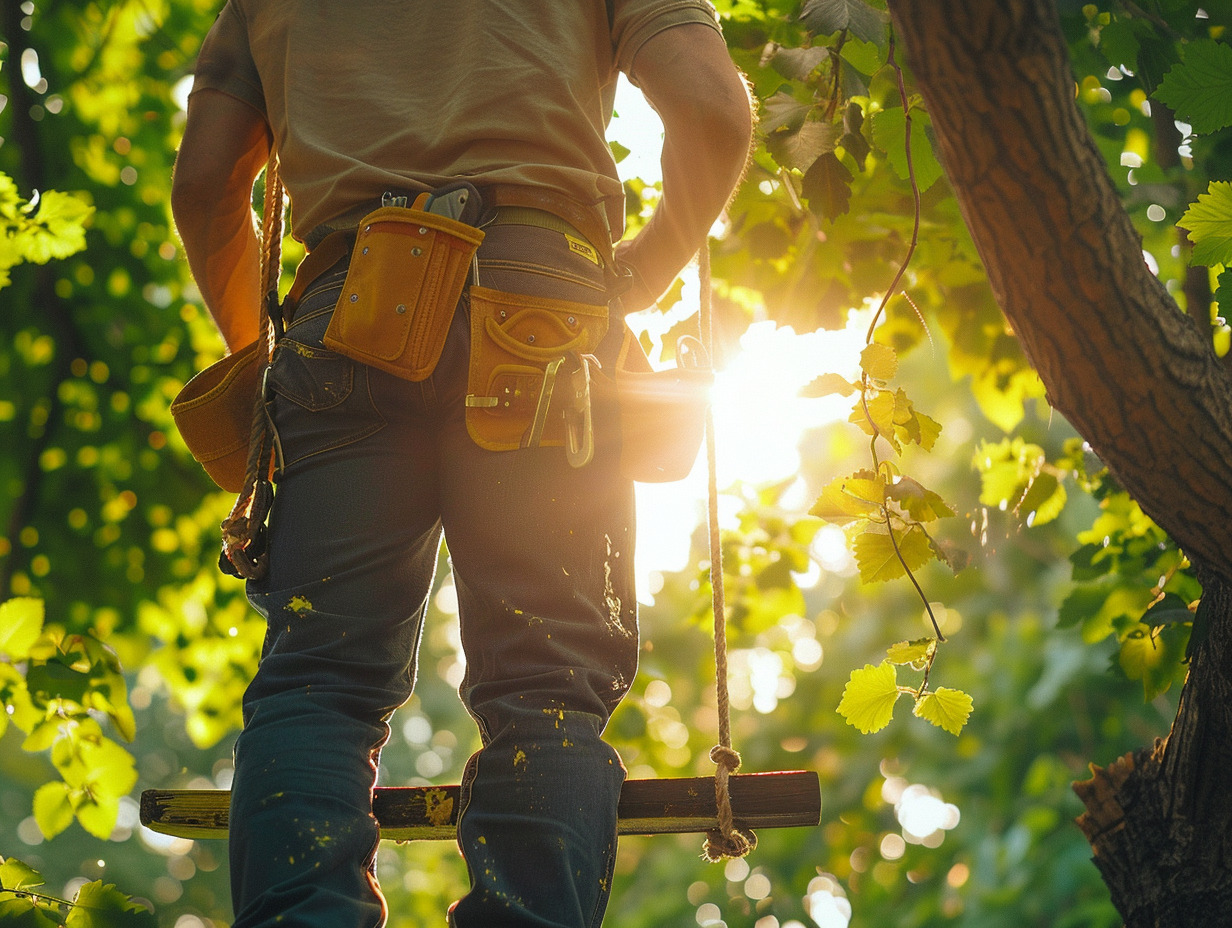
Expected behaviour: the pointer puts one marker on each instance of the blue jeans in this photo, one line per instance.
(375, 468)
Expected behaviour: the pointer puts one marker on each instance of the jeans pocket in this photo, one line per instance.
(321, 401)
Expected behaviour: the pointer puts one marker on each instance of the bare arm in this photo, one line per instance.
(226, 143)
(688, 77)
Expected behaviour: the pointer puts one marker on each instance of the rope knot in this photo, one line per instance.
(736, 843)
(725, 757)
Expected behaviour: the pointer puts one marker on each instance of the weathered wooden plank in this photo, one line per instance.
(647, 807)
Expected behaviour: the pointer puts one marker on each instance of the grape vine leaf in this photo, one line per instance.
(911, 652)
(880, 362)
(878, 561)
(827, 187)
(1209, 223)
(869, 697)
(827, 17)
(889, 131)
(1199, 89)
(946, 708)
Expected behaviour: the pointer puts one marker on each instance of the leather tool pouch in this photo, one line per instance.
(516, 391)
(662, 413)
(214, 416)
(407, 271)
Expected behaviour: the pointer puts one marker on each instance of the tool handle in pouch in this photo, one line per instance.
(405, 277)
(514, 398)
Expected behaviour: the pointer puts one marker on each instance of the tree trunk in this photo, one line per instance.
(1137, 378)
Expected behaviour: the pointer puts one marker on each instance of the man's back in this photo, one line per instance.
(372, 95)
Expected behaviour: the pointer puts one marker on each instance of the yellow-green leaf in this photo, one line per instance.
(877, 559)
(21, 622)
(98, 816)
(1209, 223)
(946, 708)
(53, 812)
(16, 874)
(869, 697)
(847, 499)
(880, 362)
(920, 502)
(911, 652)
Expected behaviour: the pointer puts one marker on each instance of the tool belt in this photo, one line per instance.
(533, 380)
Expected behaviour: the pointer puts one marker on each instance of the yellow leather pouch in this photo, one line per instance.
(407, 271)
(514, 341)
(214, 416)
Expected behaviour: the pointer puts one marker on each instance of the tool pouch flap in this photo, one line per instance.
(407, 271)
(514, 341)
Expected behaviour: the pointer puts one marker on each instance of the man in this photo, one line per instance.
(512, 97)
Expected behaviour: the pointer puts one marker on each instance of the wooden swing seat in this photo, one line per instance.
(783, 799)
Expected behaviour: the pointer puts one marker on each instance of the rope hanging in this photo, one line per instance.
(726, 841)
(240, 528)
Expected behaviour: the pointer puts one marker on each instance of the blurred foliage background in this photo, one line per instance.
(123, 651)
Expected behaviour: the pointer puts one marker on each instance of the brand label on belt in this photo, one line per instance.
(579, 247)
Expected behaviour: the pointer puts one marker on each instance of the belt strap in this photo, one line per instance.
(590, 221)
(328, 252)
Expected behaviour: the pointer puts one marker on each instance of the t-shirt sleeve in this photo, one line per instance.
(225, 62)
(636, 21)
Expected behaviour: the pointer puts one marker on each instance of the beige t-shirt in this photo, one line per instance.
(373, 95)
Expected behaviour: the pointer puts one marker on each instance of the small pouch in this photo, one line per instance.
(516, 344)
(214, 415)
(407, 271)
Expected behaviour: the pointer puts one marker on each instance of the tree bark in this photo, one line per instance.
(1138, 379)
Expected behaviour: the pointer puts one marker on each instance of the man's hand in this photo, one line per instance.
(688, 77)
(226, 143)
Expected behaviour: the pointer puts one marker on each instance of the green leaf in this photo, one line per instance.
(869, 697)
(828, 385)
(783, 111)
(918, 501)
(101, 905)
(619, 152)
(880, 362)
(63, 216)
(1045, 498)
(876, 416)
(21, 623)
(111, 769)
(25, 913)
(53, 812)
(1209, 223)
(827, 187)
(946, 708)
(889, 132)
(1169, 610)
(852, 139)
(1199, 89)
(1081, 603)
(16, 874)
(877, 560)
(911, 652)
(98, 816)
(846, 499)
(1153, 657)
(803, 147)
(797, 64)
(1223, 293)
(44, 735)
(827, 17)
